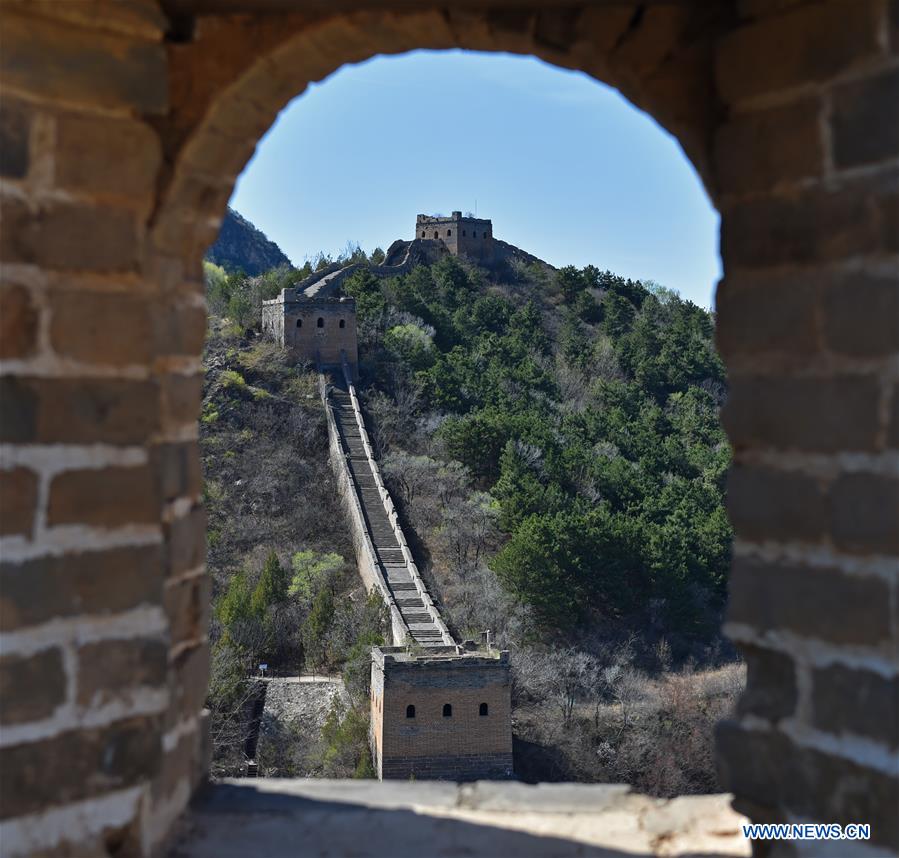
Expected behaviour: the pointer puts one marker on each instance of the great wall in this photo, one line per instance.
(440, 709)
(125, 128)
(303, 318)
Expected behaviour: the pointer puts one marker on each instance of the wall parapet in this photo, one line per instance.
(366, 557)
(392, 514)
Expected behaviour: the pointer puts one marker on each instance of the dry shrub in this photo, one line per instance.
(655, 733)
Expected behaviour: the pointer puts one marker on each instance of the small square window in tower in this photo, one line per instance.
(299, 323)
(449, 232)
(410, 711)
(320, 323)
(341, 323)
(447, 710)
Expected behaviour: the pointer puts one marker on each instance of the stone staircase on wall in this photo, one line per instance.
(424, 626)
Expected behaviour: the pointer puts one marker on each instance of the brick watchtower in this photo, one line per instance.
(463, 236)
(443, 714)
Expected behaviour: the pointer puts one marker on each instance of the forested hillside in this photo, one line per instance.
(553, 444)
(577, 414)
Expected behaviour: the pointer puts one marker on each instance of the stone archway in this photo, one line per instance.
(124, 127)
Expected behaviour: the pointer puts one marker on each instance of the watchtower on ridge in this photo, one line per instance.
(463, 236)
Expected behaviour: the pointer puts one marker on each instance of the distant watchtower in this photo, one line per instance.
(463, 236)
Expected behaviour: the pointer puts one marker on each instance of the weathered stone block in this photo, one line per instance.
(15, 130)
(813, 414)
(750, 763)
(770, 684)
(865, 513)
(102, 327)
(757, 151)
(129, 17)
(179, 766)
(18, 419)
(761, 313)
(18, 501)
(31, 687)
(177, 470)
(893, 417)
(760, 8)
(90, 582)
(187, 605)
(104, 497)
(179, 231)
(847, 791)
(77, 765)
(809, 44)
(864, 120)
(856, 701)
(188, 683)
(659, 33)
(813, 225)
(89, 157)
(805, 600)
(179, 329)
(801, 313)
(860, 314)
(518, 21)
(109, 671)
(557, 28)
(18, 322)
(181, 397)
(59, 63)
(770, 771)
(77, 411)
(69, 236)
(185, 542)
(766, 504)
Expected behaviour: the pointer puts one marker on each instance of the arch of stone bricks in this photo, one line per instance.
(122, 130)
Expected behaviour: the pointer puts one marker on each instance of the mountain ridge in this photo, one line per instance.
(242, 246)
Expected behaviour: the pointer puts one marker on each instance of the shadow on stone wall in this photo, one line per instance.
(327, 818)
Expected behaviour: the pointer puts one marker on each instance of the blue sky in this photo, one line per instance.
(564, 166)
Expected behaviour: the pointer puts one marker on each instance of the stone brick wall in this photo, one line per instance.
(808, 322)
(449, 767)
(104, 599)
(122, 132)
(463, 746)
